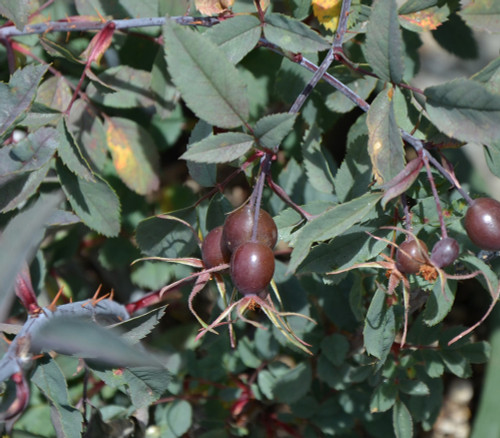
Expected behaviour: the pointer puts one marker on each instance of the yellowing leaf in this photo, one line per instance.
(327, 12)
(134, 155)
(428, 19)
(213, 7)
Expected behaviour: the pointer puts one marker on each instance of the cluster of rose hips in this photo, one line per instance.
(482, 224)
(249, 252)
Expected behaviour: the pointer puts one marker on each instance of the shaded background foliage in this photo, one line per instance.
(167, 113)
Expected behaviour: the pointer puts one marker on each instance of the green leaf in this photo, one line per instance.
(464, 109)
(474, 263)
(489, 76)
(49, 378)
(121, 9)
(88, 132)
(84, 338)
(318, 162)
(294, 384)
(20, 188)
(482, 15)
(345, 250)
(31, 153)
(17, 96)
(384, 43)
(330, 224)
(292, 35)
(222, 148)
(335, 347)
(380, 327)
(56, 50)
(456, 363)
(132, 87)
(54, 93)
(355, 174)
(411, 6)
(401, 420)
(272, 129)
(17, 10)
(134, 153)
(135, 329)
(237, 36)
(143, 384)
(439, 302)
(487, 421)
(204, 174)
(20, 239)
(163, 237)
(414, 387)
(339, 103)
(208, 82)
(70, 153)
(179, 416)
(95, 202)
(477, 352)
(385, 145)
(165, 94)
(384, 397)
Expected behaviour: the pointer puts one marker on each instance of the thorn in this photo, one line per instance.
(96, 301)
(37, 356)
(98, 291)
(112, 295)
(52, 306)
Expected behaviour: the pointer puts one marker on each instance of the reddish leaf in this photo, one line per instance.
(402, 181)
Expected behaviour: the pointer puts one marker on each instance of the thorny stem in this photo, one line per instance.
(338, 41)
(444, 232)
(284, 196)
(330, 57)
(74, 24)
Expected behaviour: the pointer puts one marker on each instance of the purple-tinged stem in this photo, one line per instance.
(444, 232)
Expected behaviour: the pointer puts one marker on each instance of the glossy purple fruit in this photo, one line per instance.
(409, 256)
(252, 267)
(482, 223)
(445, 252)
(239, 224)
(213, 251)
